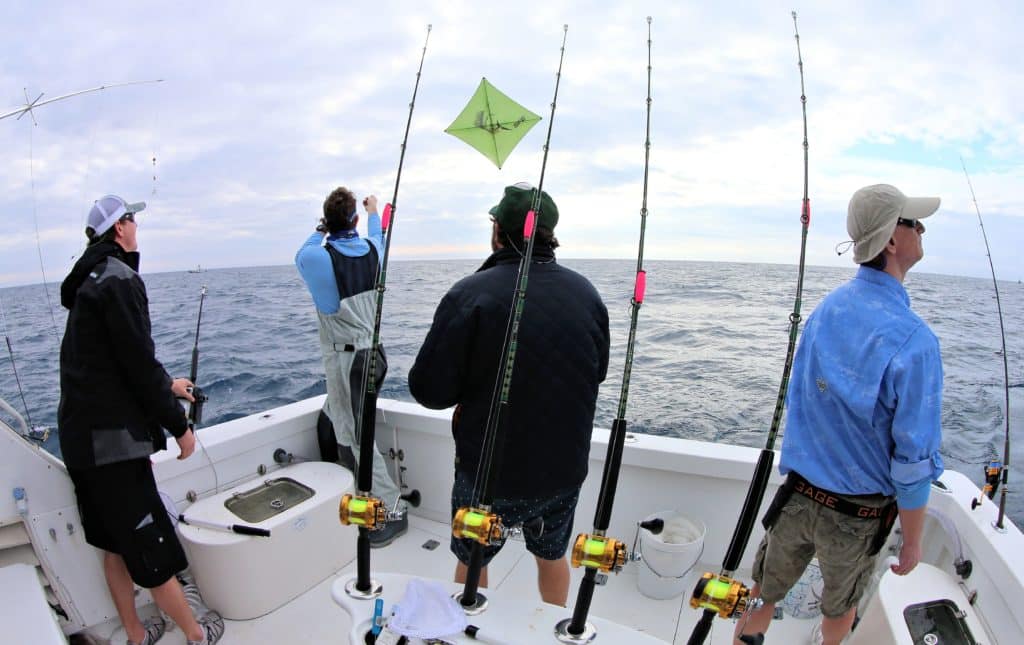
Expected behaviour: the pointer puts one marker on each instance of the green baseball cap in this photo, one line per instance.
(510, 212)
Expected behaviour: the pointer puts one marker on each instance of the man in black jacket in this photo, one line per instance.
(115, 401)
(561, 359)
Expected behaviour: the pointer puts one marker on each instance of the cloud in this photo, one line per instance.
(265, 108)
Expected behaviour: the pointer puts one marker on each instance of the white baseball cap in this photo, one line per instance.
(108, 209)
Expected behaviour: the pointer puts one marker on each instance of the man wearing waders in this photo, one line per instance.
(340, 270)
(863, 429)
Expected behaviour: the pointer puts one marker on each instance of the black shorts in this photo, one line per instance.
(122, 513)
(558, 510)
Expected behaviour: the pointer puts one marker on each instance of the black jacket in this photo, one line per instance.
(115, 396)
(561, 359)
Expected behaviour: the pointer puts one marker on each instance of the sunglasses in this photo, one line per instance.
(127, 217)
(911, 223)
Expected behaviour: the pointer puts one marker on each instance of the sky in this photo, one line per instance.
(266, 107)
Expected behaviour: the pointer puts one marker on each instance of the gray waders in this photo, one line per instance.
(345, 339)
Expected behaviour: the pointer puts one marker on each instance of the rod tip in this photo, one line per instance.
(565, 27)
(793, 13)
(429, 27)
(648, 20)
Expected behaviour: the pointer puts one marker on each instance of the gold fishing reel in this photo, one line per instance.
(368, 512)
(479, 525)
(599, 552)
(727, 596)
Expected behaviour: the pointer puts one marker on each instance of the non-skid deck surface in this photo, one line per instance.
(313, 618)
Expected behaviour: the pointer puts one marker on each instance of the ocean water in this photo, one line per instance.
(711, 343)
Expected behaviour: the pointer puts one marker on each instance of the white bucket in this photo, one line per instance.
(668, 556)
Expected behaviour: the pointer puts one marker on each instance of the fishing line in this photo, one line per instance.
(595, 551)
(721, 594)
(1006, 368)
(488, 469)
(35, 222)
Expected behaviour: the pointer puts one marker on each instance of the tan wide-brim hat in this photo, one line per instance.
(872, 215)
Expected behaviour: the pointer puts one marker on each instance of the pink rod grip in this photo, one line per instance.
(807, 211)
(528, 225)
(641, 286)
(386, 219)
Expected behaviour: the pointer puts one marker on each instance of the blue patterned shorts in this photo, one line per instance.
(557, 509)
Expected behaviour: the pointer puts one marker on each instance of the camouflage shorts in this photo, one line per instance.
(804, 529)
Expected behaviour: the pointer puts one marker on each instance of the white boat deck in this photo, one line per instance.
(315, 618)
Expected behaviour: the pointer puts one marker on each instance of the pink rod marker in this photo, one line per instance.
(528, 225)
(641, 287)
(386, 219)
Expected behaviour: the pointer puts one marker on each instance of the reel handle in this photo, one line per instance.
(413, 497)
(655, 526)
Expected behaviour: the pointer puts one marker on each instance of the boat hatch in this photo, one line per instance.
(268, 499)
(938, 621)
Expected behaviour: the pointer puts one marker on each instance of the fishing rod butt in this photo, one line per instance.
(702, 628)
(470, 599)
(362, 586)
(564, 633)
(577, 629)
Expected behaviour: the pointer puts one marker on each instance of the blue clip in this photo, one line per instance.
(378, 616)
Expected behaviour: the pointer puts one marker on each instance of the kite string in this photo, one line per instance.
(35, 221)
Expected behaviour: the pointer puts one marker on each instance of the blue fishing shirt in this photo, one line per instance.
(314, 262)
(865, 396)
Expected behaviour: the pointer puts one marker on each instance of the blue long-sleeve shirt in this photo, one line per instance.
(865, 397)
(316, 269)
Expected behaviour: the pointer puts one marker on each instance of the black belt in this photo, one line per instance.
(795, 483)
(347, 347)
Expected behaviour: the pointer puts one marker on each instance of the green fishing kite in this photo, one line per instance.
(492, 123)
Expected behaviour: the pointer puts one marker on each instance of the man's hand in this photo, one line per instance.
(181, 387)
(370, 204)
(187, 444)
(910, 555)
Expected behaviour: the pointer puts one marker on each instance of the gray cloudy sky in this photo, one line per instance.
(266, 107)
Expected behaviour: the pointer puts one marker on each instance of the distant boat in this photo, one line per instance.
(198, 269)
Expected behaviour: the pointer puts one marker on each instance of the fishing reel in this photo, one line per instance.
(194, 410)
(485, 527)
(608, 554)
(992, 474)
(727, 596)
(367, 512)
(599, 552)
(479, 525)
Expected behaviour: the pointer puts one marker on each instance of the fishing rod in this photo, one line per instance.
(478, 522)
(367, 512)
(32, 432)
(14, 367)
(992, 473)
(721, 594)
(195, 408)
(34, 103)
(597, 552)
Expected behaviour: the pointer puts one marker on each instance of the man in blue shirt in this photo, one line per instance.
(863, 423)
(340, 270)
